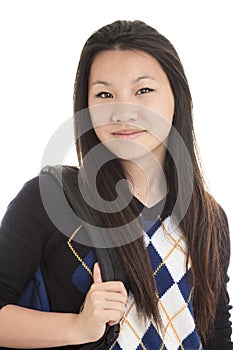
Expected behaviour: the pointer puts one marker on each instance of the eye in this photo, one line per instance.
(104, 94)
(144, 90)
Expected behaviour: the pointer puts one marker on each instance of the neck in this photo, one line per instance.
(146, 177)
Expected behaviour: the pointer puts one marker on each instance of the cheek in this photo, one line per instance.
(169, 106)
(101, 133)
(100, 114)
(165, 105)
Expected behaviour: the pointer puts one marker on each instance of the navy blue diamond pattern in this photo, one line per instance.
(81, 278)
(189, 341)
(151, 338)
(185, 286)
(163, 278)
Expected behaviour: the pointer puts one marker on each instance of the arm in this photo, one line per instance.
(221, 338)
(25, 328)
(24, 231)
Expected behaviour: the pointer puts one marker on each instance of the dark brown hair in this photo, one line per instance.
(204, 223)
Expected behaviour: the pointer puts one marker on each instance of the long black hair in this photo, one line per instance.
(204, 224)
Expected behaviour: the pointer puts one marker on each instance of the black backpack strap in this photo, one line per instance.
(108, 258)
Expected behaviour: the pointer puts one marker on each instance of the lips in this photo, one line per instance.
(128, 133)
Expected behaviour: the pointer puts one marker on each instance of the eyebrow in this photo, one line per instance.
(102, 82)
(143, 77)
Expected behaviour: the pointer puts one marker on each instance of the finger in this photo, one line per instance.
(117, 297)
(116, 286)
(114, 317)
(97, 274)
(114, 307)
(113, 323)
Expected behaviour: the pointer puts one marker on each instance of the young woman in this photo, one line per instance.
(133, 121)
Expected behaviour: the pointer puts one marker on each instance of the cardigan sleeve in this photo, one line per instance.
(221, 337)
(24, 230)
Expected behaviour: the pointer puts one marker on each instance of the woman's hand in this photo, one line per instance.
(25, 328)
(105, 303)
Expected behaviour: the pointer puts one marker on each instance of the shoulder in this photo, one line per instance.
(39, 202)
(27, 197)
(40, 209)
(25, 215)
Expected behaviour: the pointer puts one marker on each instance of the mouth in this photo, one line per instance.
(128, 133)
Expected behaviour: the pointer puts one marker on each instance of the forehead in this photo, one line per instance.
(124, 63)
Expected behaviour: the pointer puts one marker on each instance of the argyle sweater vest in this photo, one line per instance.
(167, 250)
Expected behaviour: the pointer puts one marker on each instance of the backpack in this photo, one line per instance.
(108, 259)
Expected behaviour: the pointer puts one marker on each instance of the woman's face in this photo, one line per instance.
(131, 102)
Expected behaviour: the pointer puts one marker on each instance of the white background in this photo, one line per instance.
(40, 45)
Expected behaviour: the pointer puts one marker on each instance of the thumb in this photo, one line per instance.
(97, 274)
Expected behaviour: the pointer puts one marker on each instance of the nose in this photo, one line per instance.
(123, 113)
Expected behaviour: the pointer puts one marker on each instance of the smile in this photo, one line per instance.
(128, 134)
